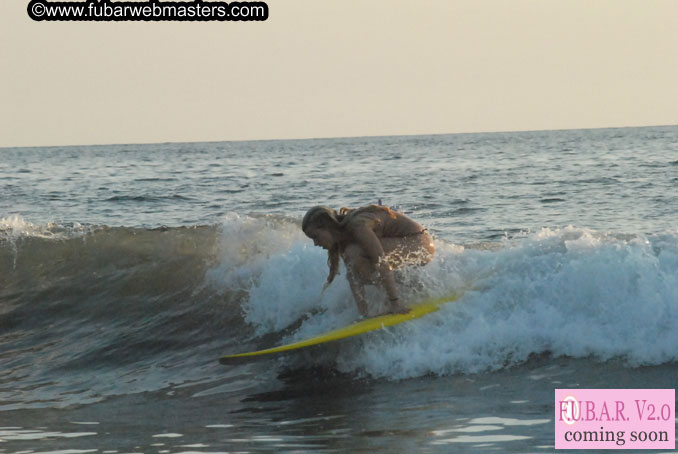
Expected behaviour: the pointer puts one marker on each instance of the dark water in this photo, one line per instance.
(126, 271)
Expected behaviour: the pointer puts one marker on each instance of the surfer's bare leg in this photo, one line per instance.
(408, 251)
(361, 272)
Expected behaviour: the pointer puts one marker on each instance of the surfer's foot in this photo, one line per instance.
(399, 309)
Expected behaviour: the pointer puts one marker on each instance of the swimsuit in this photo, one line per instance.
(415, 233)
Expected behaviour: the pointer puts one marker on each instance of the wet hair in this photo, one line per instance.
(321, 216)
(328, 218)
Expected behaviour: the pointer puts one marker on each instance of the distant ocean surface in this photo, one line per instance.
(127, 270)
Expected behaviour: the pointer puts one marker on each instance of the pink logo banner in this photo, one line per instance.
(615, 419)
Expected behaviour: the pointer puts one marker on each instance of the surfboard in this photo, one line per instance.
(355, 329)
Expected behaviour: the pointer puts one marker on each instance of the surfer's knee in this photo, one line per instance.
(427, 249)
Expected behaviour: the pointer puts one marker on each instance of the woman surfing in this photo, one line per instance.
(373, 241)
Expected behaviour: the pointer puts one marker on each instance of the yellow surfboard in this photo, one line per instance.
(360, 327)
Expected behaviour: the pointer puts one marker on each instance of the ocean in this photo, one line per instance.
(126, 271)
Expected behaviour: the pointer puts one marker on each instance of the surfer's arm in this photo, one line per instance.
(358, 290)
(369, 242)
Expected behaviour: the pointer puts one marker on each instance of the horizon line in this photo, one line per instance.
(377, 136)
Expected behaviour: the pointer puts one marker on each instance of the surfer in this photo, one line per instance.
(373, 241)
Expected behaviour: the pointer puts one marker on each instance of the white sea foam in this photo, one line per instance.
(569, 291)
(282, 272)
(15, 227)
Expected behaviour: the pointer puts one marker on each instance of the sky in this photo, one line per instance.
(330, 68)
